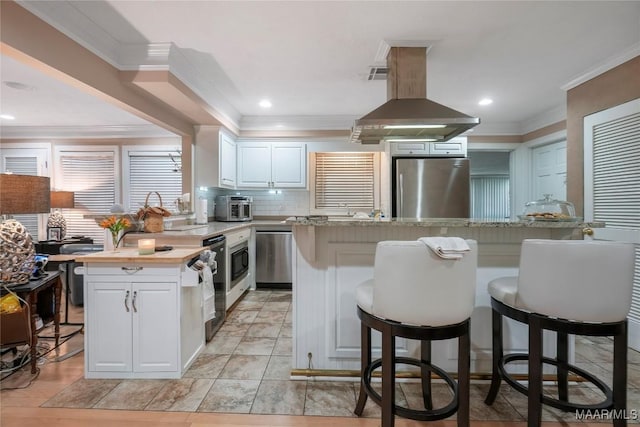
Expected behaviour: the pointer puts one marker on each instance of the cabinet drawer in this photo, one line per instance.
(131, 269)
(238, 236)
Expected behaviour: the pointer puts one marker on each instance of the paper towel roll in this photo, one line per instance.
(201, 211)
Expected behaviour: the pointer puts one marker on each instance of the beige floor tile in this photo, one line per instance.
(280, 397)
(183, 395)
(131, 395)
(235, 396)
(243, 367)
(279, 368)
(256, 346)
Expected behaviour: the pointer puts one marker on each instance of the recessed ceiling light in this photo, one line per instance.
(485, 101)
(265, 103)
(7, 117)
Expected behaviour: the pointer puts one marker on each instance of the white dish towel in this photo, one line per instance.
(446, 247)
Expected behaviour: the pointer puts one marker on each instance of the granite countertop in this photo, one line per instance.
(437, 222)
(174, 256)
(193, 234)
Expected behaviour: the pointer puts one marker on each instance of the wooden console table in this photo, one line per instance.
(29, 292)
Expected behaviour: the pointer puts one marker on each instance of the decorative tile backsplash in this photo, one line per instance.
(265, 202)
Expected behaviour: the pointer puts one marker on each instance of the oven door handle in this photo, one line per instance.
(245, 258)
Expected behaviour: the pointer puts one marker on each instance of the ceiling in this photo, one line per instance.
(311, 59)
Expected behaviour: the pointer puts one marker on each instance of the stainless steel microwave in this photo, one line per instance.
(234, 208)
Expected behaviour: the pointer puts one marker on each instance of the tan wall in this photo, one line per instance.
(617, 86)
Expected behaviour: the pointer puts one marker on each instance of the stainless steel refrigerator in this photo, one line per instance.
(430, 187)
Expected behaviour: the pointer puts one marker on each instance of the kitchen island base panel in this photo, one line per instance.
(329, 263)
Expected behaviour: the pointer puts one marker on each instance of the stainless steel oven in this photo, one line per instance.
(239, 259)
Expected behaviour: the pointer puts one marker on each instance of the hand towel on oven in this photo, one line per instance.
(208, 293)
(446, 247)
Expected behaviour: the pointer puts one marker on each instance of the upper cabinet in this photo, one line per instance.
(215, 158)
(272, 165)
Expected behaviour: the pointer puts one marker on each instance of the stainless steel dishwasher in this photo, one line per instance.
(273, 259)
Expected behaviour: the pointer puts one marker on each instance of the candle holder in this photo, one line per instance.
(146, 246)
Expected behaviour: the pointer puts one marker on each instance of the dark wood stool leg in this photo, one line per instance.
(497, 351)
(464, 363)
(365, 361)
(534, 407)
(620, 377)
(425, 373)
(562, 357)
(388, 377)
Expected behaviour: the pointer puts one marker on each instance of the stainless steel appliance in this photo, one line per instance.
(234, 208)
(239, 259)
(430, 187)
(273, 259)
(216, 244)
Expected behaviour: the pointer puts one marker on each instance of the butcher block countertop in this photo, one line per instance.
(174, 256)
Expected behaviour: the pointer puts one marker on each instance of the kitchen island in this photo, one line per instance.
(143, 313)
(331, 257)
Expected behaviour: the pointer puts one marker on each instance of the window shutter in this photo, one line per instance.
(153, 171)
(27, 165)
(344, 179)
(91, 176)
(616, 183)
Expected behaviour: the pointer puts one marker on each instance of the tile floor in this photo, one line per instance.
(245, 369)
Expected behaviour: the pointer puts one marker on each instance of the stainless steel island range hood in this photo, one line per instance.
(408, 115)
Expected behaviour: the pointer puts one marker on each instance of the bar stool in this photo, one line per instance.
(570, 287)
(418, 295)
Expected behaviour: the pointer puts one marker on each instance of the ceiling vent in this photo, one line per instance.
(408, 115)
(378, 73)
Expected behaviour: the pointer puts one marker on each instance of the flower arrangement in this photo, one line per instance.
(115, 226)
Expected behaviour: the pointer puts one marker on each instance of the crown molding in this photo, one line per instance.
(549, 117)
(611, 62)
(283, 123)
(66, 18)
(84, 132)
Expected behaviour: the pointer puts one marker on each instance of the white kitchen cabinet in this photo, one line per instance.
(215, 158)
(272, 165)
(142, 321)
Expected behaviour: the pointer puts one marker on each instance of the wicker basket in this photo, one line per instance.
(153, 216)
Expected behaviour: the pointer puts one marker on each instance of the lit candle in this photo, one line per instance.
(146, 246)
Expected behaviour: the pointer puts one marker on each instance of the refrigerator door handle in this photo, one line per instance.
(401, 195)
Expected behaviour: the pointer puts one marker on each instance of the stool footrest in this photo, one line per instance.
(415, 414)
(563, 405)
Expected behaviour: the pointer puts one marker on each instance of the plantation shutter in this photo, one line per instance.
(344, 179)
(153, 171)
(91, 176)
(616, 183)
(27, 165)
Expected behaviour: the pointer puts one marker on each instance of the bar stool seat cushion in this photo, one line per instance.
(505, 290)
(364, 295)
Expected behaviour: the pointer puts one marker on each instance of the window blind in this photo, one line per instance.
(616, 183)
(344, 179)
(153, 172)
(27, 165)
(490, 197)
(91, 176)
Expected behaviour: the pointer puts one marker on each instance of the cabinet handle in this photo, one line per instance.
(133, 301)
(131, 269)
(126, 298)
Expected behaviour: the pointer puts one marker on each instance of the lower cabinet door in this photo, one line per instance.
(155, 326)
(109, 333)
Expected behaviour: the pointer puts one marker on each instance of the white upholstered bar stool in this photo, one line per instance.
(415, 294)
(570, 287)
